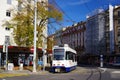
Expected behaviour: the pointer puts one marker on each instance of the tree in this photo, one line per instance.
(23, 21)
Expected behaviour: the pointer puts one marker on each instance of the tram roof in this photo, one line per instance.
(66, 47)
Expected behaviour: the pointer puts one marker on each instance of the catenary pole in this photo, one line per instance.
(35, 21)
(6, 56)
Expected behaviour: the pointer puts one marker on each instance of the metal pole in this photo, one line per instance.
(6, 56)
(35, 19)
(44, 51)
(0, 60)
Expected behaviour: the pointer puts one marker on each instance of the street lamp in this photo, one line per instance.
(35, 21)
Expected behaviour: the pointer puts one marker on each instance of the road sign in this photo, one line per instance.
(7, 40)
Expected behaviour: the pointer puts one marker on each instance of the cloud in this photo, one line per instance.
(79, 2)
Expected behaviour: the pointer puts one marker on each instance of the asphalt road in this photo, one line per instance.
(111, 74)
(78, 74)
(53, 77)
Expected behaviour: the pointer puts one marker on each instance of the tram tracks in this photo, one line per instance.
(95, 73)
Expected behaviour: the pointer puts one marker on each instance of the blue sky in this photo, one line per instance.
(77, 10)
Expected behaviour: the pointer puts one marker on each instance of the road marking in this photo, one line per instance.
(104, 69)
(115, 72)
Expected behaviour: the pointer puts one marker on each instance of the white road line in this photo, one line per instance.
(104, 69)
(115, 72)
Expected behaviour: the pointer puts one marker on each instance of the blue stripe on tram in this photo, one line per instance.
(67, 69)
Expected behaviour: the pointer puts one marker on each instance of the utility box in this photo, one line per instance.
(10, 66)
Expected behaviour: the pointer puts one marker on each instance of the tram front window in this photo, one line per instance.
(58, 54)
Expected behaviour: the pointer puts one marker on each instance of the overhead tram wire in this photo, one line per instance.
(60, 24)
(49, 32)
(56, 30)
(103, 6)
(64, 12)
(115, 2)
(56, 22)
(51, 27)
(87, 7)
(70, 20)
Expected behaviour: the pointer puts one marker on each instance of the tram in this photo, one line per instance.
(64, 59)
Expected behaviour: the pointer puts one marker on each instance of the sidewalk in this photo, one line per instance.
(78, 70)
(25, 70)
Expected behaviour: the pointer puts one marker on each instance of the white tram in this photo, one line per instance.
(64, 59)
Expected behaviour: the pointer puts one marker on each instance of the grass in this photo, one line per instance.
(3, 75)
(30, 68)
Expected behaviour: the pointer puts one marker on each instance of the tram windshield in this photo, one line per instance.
(58, 54)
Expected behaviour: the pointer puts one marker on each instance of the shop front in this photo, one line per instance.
(17, 55)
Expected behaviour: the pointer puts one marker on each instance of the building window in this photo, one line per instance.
(9, 1)
(118, 13)
(8, 13)
(118, 21)
(118, 43)
(7, 28)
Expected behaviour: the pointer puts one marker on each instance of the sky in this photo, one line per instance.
(76, 10)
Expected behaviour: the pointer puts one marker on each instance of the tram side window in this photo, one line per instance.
(74, 57)
(69, 56)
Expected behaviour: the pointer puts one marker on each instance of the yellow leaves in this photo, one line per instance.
(55, 13)
(23, 21)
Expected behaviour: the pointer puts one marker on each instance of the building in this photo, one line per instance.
(58, 38)
(113, 37)
(95, 33)
(74, 36)
(116, 23)
(99, 35)
(6, 15)
(102, 33)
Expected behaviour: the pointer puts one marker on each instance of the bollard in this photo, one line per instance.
(21, 66)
